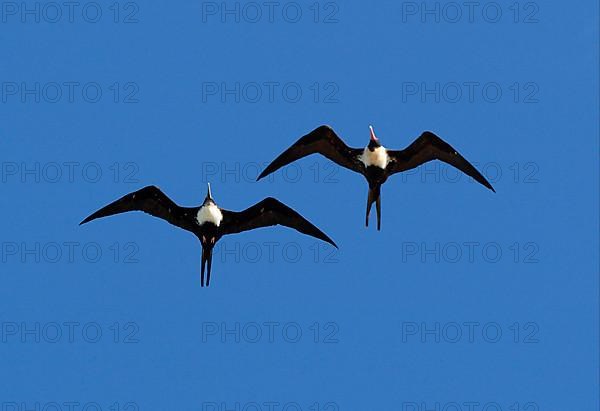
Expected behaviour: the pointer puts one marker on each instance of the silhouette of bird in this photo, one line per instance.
(374, 162)
(208, 221)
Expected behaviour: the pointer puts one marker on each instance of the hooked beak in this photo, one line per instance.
(373, 136)
(208, 193)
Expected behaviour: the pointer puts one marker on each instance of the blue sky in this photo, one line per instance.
(465, 297)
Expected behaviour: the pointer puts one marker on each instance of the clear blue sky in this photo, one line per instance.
(464, 297)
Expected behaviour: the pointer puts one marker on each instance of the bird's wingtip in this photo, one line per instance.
(86, 220)
(489, 185)
(330, 241)
(262, 175)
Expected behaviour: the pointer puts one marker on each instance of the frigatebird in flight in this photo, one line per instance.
(375, 162)
(209, 222)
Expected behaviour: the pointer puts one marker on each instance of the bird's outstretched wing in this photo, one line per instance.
(324, 141)
(149, 200)
(266, 213)
(430, 147)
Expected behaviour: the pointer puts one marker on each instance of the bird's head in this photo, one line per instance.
(208, 200)
(374, 142)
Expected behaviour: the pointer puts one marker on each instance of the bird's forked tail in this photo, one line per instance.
(374, 197)
(206, 264)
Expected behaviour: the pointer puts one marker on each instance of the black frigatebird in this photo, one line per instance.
(374, 162)
(209, 222)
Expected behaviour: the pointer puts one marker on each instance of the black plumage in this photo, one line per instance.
(268, 212)
(427, 147)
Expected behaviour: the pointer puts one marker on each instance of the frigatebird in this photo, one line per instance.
(374, 162)
(209, 222)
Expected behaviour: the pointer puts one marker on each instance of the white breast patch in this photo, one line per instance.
(378, 157)
(209, 214)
